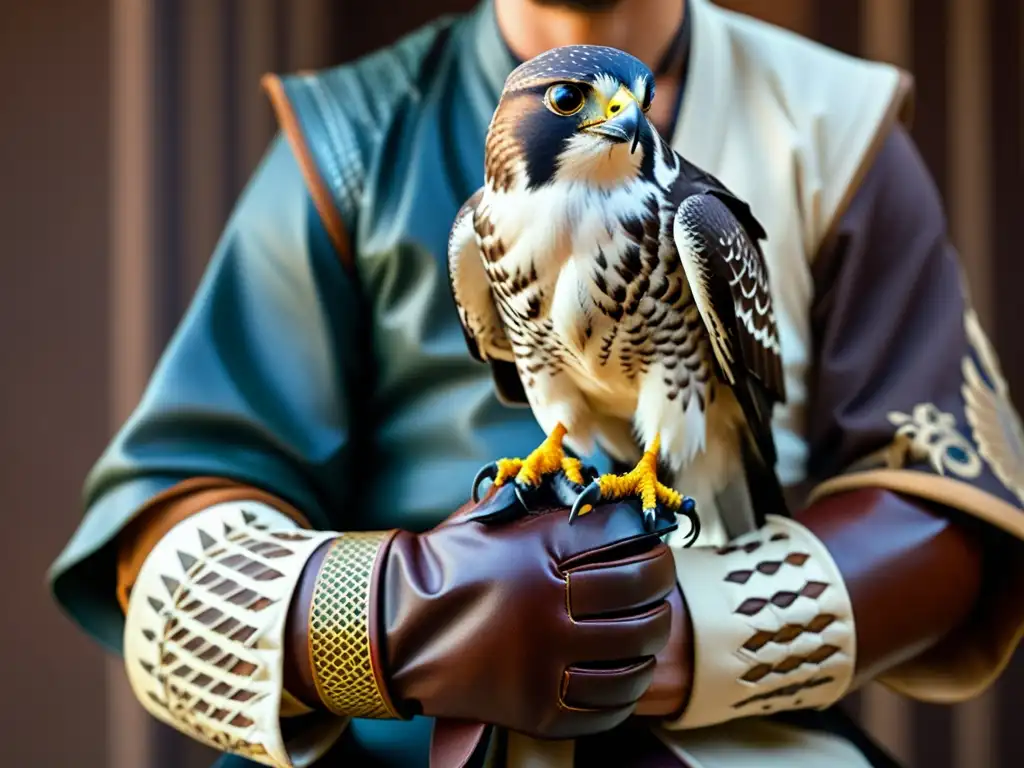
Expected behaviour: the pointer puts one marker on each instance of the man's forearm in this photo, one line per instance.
(227, 594)
(913, 571)
(298, 674)
(191, 497)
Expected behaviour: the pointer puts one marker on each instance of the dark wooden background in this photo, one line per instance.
(129, 126)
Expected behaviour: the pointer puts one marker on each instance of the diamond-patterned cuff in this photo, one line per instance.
(773, 625)
(342, 622)
(205, 630)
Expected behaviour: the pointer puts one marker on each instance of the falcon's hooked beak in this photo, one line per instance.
(623, 119)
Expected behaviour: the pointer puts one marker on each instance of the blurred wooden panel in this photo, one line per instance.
(254, 25)
(885, 30)
(1006, 134)
(206, 110)
(54, 414)
(132, 736)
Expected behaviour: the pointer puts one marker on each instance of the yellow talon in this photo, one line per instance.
(547, 459)
(546, 467)
(507, 469)
(641, 481)
(573, 469)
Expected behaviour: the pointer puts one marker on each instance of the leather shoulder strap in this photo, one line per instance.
(335, 119)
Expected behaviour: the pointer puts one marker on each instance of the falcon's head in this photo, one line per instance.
(576, 113)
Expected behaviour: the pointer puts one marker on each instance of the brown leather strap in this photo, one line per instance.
(318, 189)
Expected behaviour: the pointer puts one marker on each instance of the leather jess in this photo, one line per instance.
(545, 628)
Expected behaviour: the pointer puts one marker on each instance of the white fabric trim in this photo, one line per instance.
(772, 622)
(205, 629)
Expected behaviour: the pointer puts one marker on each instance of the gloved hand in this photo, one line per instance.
(532, 624)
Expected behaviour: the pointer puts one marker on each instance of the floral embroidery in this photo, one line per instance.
(994, 421)
(934, 437)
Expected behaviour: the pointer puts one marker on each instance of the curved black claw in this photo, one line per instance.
(525, 494)
(503, 506)
(688, 509)
(590, 497)
(565, 490)
(487, 472)
(650, 520)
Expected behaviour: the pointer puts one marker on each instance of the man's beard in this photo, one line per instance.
(581, 5)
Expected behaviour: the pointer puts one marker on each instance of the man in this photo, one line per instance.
(277, 542)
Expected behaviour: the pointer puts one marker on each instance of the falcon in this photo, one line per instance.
(627, 290)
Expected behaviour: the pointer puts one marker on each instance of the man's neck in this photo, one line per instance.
(644, 28)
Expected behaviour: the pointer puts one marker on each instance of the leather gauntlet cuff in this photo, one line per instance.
(205, 630)
(344, 649)
(772, 624)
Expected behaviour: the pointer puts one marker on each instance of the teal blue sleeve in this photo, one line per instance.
(255, 386)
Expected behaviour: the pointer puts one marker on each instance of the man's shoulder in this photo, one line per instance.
(335, 119)
(801, 68)
(365, 89)
(390, 74)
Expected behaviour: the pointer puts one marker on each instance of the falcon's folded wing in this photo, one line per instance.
(484, 330)
(729, 280)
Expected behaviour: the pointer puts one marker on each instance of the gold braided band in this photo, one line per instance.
(341, 626)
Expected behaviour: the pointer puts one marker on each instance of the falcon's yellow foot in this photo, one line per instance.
(544, 463)
(640, 482)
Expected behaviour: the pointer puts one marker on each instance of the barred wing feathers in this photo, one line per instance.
(471, 289)
(728, 277)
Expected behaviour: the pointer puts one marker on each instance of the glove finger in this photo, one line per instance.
(629, 585)
(593, 688)
(601, 534)
(615, 640)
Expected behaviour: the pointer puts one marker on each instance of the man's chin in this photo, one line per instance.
(580, 5)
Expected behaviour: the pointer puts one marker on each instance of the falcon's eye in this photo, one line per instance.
(565, 99)
(648, 97)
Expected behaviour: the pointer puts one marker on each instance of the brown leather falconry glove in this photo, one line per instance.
(535, 625)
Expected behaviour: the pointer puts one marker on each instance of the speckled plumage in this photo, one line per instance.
(627, 288)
